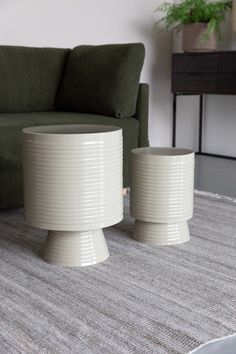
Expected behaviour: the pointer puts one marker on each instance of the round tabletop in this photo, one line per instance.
(71, 129)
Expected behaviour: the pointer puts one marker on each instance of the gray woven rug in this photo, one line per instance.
(143, 299)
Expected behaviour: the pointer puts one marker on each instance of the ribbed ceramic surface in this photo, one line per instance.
(73, 177)
(161, 234)
(75, 248)
(162, 184)
(162, 181)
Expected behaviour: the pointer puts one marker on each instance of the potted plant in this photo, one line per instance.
(199, 20)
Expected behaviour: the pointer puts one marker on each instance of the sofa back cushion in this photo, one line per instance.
(30, 77)
(102, 79)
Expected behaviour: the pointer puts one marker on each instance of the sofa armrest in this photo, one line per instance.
(142, 114)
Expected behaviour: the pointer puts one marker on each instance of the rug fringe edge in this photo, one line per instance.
(215, 195)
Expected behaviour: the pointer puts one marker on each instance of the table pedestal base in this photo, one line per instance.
(73, 249)
(161, 234)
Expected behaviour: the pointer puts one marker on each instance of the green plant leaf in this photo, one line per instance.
(193, 11)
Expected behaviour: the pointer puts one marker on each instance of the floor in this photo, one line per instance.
(218, 176)
(215, 175)
(224, 346)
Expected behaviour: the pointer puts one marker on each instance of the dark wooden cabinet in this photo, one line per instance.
(200, 74)
(194, 83)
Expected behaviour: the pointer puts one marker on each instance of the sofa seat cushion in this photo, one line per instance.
(102, 79)
(13, 123)
(30, 77)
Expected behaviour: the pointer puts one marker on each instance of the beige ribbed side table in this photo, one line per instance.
(73, 187)
(162, 181)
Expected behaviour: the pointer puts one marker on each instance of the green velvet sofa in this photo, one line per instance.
(85, 85)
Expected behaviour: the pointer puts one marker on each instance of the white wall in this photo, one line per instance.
(67, 23)
(219, 112)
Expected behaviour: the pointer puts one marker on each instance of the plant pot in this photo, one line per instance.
(193, 38)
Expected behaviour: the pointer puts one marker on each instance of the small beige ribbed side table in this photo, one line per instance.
(73, 187)
(162, 182)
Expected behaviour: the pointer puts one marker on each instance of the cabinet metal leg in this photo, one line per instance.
(174, 107)
(200, 124)
(201, 127)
